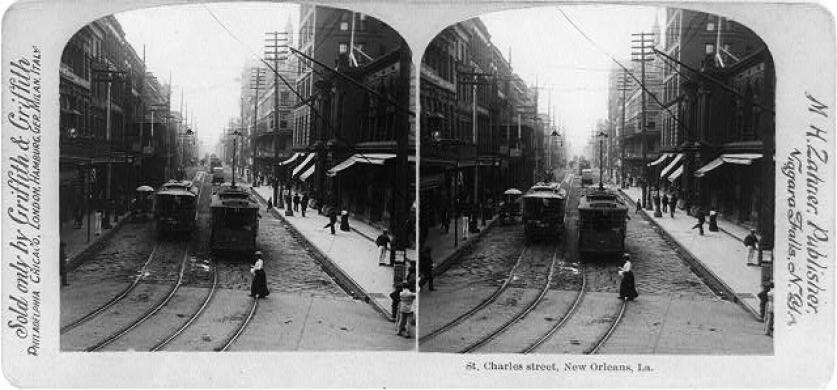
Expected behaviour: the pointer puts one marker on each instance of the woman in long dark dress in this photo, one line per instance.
(627, 287)
(258, 289)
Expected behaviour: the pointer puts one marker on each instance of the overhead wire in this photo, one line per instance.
(299, 96)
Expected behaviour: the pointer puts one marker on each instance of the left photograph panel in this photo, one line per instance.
(237, 177)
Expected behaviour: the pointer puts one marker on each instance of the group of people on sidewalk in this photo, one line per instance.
(295, 202)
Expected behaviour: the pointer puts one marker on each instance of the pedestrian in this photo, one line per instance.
(713, 220)
(405, 309)
(426, 267)
(664, 201)
(382, 242)
(270, 203)
(672, 204)
(97, 224)
(768, 319)
(638, 206)
(751, 242)
(445, 220)
(466, 221)
(296, 200)
(304, 203)
(62, 254)
(656, 199)
(258, 288)
(395, 296)
(332, 219)
(78, 218)
(627, 287)
(344, 221)
(701, 219)
(762, 295)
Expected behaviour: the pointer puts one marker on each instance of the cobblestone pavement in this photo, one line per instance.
(288, 265)
(120, 259)
(489, 261)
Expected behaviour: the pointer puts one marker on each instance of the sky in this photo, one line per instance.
(204, 60)
(549, 50)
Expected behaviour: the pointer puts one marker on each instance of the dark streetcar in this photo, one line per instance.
(175, 207)
(235, 220)
(543, 212)
(601, 223)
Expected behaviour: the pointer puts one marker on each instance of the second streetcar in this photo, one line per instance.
(235, 220)
(602, 223)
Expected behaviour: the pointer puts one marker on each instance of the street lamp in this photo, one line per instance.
(602, 136)
(556, 136)
(235, 135)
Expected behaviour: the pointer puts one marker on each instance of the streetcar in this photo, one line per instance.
(543, 211)
(217, 175)
(235, 220)
(602, 223)
(586, 177)
(175, 207)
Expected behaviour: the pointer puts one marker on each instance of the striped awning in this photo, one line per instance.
(304, 165)
(363, 158)
(674, 175)
(659, 161)
(308, 172)
(671, 166)
(290, 160)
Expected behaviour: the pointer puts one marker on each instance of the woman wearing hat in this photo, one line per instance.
(344, 221)
(258, 289)
(627, 287)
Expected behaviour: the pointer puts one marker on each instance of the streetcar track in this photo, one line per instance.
(148, 314)
(241, 327)
(567, 315)
(101, 309)
(479, 343)
(162, 344)
(485, 302)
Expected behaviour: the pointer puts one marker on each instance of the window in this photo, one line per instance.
(710, 48)
(344, 48)
(344, 26)
(285, 97)
(710, 26)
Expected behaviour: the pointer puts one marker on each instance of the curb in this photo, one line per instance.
(448, 261)
(101, 242)
(343, 279)
(715, 282)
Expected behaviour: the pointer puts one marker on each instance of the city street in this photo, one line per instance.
(187, 299)
(675, 313)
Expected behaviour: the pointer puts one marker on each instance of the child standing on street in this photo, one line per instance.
(383, 243)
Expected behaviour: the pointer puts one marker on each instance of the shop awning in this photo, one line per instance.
(708, 167)
(658, 161)
(304, 165)
(731, 158)
(671, 166)
(308, 172)
(674, 175)
(741, 158)
(363, 158)
(290, 160)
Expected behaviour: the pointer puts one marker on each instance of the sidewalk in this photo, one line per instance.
(77, 240)
(722, 254)
(354, 253)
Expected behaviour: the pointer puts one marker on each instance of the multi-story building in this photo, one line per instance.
(352, 128)
(474, 149)
(719, 125)
(104, 95)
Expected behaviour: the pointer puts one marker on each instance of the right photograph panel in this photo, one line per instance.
(597, 180)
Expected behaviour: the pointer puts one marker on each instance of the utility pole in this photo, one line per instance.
(109, 76)
(623, 86)
(276, 48)
(256, 82)
(643, 42)
(475, 79)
